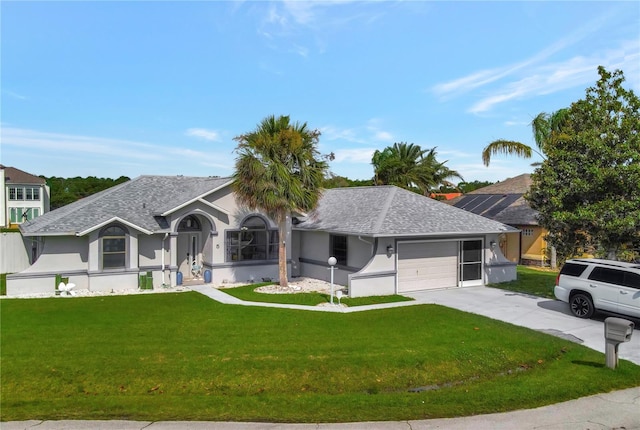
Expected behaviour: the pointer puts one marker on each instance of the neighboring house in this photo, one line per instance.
(386, 240)
(504, 202)
(23, 197)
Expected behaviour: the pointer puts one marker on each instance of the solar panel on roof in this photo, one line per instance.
(487, 203)
(468, 203)
(502, 205)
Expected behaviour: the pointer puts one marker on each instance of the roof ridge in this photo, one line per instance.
(385, 209)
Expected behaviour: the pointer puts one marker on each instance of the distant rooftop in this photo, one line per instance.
(503, 201)
(17, 176)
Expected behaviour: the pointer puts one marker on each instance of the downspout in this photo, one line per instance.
(373, 249)
(163, 253)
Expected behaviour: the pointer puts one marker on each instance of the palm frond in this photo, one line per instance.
(506, 147)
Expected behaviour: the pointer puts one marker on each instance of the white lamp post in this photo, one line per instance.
(332, 263)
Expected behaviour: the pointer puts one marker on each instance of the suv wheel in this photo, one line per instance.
(581, 305)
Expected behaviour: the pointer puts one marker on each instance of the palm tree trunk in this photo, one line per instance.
(282, 251)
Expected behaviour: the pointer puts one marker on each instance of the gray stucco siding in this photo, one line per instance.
(150, 250)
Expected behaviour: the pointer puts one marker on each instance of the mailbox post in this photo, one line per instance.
(616, 331)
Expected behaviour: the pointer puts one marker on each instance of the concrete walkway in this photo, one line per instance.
(617, 410)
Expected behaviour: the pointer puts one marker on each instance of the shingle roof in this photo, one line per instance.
(502, 201)
(516, 185)
(392, 211)
(138, 203)
(17, 176)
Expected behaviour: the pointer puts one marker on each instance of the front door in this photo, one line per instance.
(189, 253)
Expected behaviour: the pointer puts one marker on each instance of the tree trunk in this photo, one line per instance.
(282, 251)
(612, 254)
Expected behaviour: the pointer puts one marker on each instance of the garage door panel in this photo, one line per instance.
(427, 265)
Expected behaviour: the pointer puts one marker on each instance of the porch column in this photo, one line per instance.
(173, 258)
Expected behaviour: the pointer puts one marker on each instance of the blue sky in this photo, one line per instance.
(132, 88)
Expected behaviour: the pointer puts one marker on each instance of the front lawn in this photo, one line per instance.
(248, 293)
(186, 357)
(531, 280)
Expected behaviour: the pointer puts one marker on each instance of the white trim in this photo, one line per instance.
(112, 220)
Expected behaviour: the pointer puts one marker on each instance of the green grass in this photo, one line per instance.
(248, 293)
(534, 281)
(3, 284)
(186, 357)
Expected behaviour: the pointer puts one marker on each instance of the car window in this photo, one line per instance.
(573, 269)
(604, 274)
(631, 280)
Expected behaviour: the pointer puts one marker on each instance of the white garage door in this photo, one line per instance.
(427, 265)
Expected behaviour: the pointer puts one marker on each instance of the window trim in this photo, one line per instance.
(105, 234)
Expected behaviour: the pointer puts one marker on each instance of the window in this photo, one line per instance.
(189, 223)
(24, 193)
(631, 280)
(254, 241)
(338, 245)
(610, 276)
(527, 232)
(20, 215)
(113, 246)
(573, 269)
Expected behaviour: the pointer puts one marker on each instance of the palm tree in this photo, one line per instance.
(278, 171)
(408, 166)
(547, 129)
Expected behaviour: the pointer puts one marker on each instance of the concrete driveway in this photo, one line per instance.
(549, 316)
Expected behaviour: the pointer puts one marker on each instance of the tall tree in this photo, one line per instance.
(588, 189)
(408, 166)
(68, 190)
(278, 171)
(546, 128)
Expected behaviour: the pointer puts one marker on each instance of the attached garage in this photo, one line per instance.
(427, 265)
(400, 242)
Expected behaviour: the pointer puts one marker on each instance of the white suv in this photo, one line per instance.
(591, 284)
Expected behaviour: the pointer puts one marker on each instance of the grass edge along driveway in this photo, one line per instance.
(185, 357)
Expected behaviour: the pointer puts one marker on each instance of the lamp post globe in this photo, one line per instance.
(332, 263)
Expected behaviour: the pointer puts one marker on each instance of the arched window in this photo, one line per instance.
(113, 246)
(254, 241)
(189, 223)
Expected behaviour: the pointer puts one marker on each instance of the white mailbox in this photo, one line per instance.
(616, 331)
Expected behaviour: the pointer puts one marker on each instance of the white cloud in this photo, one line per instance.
(361, 134)
(74, 144)
(361, 155)
(333, 133)
(14, 95)
(536, 76)
(205, 134)
(304, 27)
(77, 155)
